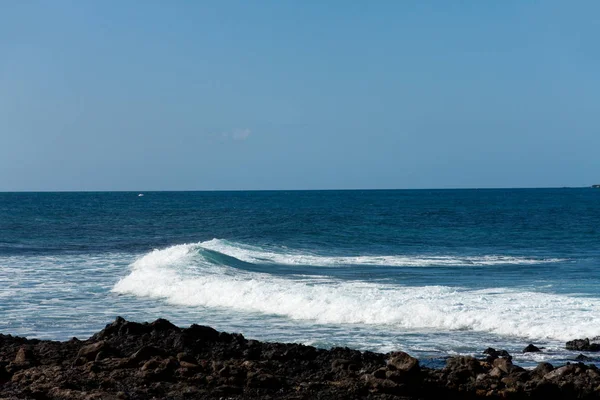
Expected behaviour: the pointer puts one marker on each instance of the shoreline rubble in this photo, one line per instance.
(130, 360)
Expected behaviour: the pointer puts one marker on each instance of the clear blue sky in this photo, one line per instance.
(193, 95)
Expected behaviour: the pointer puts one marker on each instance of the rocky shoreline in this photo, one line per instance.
(130, 360)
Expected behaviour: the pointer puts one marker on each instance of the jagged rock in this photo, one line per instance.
(583, 357)
(496, 372)
(493, 354)
(381, 373)
(24, 356)
(560, 372)
(162, 325)
(90, 351)
(263, 380)
(130, 360)
(402, 362)
(542, 369)
(582, 345)
(506, 365)
(147, 352)
(462, 369)
(198, 332)
(186, 357)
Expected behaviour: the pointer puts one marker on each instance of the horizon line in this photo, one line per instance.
(290, 190)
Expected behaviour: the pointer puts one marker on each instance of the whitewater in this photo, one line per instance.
(185, 275)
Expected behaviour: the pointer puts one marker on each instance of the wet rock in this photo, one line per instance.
(582, 345)
(582, 357)
(377, 385)
(399, 376)
(542, 369)
(531, 349)
(493, 354)
(201, 333)
(506, 365)
(129, 360)
(461, 369)
(162, 325)
(340, 364)
(147, 352)
(560, 372)
(120, 327)
(24, 356)
(89, 352)
(593, 373)
(402, 362)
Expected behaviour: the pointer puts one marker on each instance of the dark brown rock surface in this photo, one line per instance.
(582, 345)
(129, 360)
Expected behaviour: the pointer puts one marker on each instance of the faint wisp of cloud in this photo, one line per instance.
(237, 134)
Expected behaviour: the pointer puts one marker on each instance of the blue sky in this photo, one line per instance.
(192, 95)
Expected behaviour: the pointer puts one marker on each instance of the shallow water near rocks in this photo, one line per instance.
(433, 273)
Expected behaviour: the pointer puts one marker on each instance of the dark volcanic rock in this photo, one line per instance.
(531, 349)
(130, 360)
(505, 365)
(24, 356)
(146, 353)
(493, 354)
(583, 357)
(582, 345)
(90, 351)
(401, 361)
(542, 369)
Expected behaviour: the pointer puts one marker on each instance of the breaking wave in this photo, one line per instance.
(191, 275)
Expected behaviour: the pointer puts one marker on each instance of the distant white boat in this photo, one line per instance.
(140, 195)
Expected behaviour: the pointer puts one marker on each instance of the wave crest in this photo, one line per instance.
(257, 255)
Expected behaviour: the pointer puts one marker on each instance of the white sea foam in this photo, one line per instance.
(253, 254)
(180, 277)
(167, 257)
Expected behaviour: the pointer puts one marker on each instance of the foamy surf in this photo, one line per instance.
(182, 275)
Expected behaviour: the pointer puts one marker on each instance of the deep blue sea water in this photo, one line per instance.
(431, 272)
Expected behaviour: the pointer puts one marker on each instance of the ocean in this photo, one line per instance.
(431, 272)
